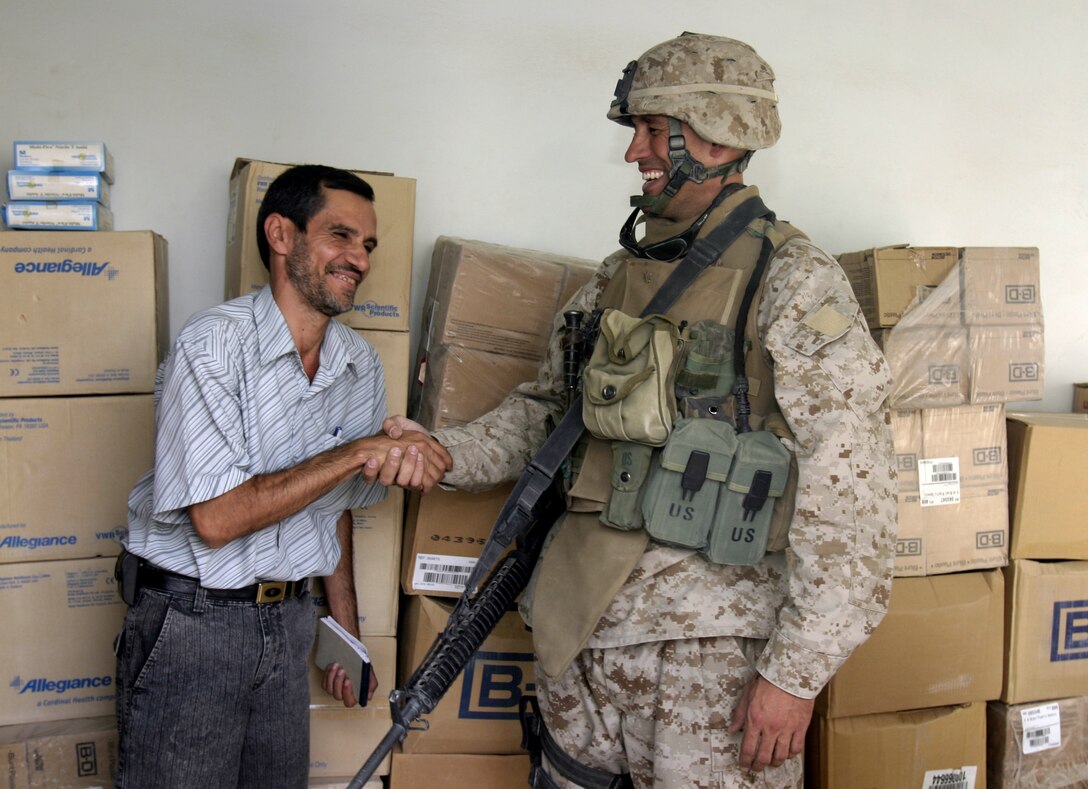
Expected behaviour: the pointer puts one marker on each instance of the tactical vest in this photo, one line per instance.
(716, 296)
(585, 562)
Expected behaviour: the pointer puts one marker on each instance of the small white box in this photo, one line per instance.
(52, 215)
(42, 156)
(23, 185)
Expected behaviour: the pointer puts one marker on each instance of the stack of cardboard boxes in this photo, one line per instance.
(341, 739)
(1036, 730)
(83, 317)
(60, 186)
(962, 329)
(488, 316)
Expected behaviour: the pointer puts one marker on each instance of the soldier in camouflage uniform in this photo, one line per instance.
(654, 664)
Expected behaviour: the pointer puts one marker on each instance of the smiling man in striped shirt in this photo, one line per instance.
(268, 432)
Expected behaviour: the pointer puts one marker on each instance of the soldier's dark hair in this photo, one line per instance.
(298, 194)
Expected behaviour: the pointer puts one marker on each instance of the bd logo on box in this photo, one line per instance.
(1023, 371)
(494, 683)
(944, 374)
(1019, 294)
(1069, 635)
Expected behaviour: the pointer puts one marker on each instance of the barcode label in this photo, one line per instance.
(939, 481)
(963, 778)
(1042, 728)
(440, 573)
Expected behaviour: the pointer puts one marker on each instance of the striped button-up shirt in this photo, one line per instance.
(233, 402)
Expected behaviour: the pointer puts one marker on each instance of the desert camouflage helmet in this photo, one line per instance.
(718, 86)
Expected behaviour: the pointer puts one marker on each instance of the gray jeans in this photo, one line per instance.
(213, 693)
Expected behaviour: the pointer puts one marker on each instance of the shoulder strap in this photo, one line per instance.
(774, 237)
(705, 251)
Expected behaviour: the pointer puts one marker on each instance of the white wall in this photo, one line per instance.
(928, 122)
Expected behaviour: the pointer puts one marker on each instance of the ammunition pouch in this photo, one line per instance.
(713, 490)
(627, 386)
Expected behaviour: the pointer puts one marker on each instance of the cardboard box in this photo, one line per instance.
(382, 300)
(446, 532)
(1046, 638)
(342, 739)
(930, 365)
(939, 644)
(393, 349)
(458, 771)
(1041, 744)
(1000, 286)
(953, 501)
(376, 543)
(60, 754)
(975, 336)
(942, 366)
(972, 435)
(1080, 398)
(496, 298)
(81, 313)
(928, 748)
(58, 186)
(460, 384)
(1006, 363)
(343, 782)
(61, 618)
(67, 465)
(971, 534)
(887, 280)
(376, 536)
(479, 713)
(53, 215)
(1048, 465)
(40, 156)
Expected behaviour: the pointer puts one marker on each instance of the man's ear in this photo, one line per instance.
(724, 153)
(280, 232)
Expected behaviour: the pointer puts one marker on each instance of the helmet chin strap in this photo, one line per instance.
(684, 168)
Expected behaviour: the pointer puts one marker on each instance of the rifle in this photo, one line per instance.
(532, 507)
(473, 617)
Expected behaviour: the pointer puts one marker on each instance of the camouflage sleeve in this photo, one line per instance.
(831, 383)
(495, 447)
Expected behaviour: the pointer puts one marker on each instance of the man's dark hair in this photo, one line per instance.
(298, 194)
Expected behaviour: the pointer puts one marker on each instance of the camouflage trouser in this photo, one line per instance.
(659, 711)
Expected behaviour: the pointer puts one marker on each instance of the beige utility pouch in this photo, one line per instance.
(681, 498)
(628, 384)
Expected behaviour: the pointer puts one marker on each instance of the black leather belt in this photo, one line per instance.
(265, 592)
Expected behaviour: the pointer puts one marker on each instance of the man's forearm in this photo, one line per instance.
(340, 586)
(266, 499)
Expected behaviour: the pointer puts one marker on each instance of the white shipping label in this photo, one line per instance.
(963, 778)
(939, 481)
(1042, 728)
(441, 573)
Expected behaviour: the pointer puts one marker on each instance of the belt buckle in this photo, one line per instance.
(274, 591)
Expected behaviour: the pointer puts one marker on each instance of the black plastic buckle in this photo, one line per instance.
(757, 494)
(623, 86)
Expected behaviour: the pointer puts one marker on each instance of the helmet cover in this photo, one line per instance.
(719, 86)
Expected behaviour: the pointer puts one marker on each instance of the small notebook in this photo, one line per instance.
(337, 645)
